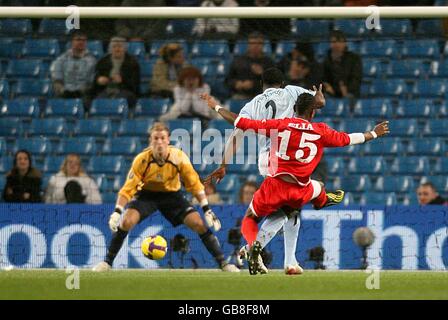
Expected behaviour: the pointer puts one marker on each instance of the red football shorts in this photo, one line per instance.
(275, 193)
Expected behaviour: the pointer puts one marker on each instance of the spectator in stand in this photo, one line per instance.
(72, 72)
(23, 182)
(427, 194)
(117, 75)
(217, 28)
(213, 196)
(303, 51)
(72, 185)
(167, 69)
(244, 77)
(247, 191)
(187, 101)
(299, 74)
(342, 68)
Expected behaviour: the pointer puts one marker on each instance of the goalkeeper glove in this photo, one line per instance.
(211, 219)
(114, 220)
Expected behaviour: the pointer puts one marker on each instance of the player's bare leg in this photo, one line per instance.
(195, 223)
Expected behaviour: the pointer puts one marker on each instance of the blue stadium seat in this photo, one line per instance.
(25, 108)
(48, 127)
(157, 44)
(360, 125)
(335, 165)
(35, 87)
(378, 198)
(146, 67)
(439, 69)
(150, 107)
(430, 28)
(420, 49)
(180, 27)
(110, 108)
(216, 48)
(241, 47)
(410, 165)
(4, 89)
(420, 146)
(436, 127)
(41, 48)
(53, 27)
(415, 108)
(395, 28)
(236, 105)
(25, 68)
(353, 183)
(106, 164)
(80, 145)
(385, 146)
(441, 166)
(394, 184)
(372, 68)
(102, 182)
(109, 197)
(35, 145)
(429, 88)
(366, 165)
(392, 87)
(378, 49)
(2, 145)
(126, 146)
(311, 28)
(138, 127)
(373, 108)
(93, 127)
(64, 108)
(351, 27)
(191, 125)
(409, 68)
(283, 48)
(5, 165)
(439, 182)
(403, 128)
(15, 27)
(335, 108)
(137, 48)
(10, 127)
(52, 164)
(10, 48)
(229, 184)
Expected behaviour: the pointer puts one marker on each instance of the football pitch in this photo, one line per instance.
(217, 285)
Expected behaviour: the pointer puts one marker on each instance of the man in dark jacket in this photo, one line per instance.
(342, 68)
(427, 194)
(117, 75)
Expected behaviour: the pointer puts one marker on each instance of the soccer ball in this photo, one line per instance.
(154, 247)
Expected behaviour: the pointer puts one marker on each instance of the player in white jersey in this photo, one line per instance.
(276, 102)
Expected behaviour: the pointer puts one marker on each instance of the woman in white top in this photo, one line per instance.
(71, 170)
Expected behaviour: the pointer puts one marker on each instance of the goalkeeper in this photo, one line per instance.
(152, 184)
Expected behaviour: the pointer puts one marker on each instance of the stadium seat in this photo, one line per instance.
(385, 146)
(335, 108)
(53, 27)
(410, 165)
(138, 127)
(378, 49)
(207, 66)
(220, 125)
(48, 127)
(109, 197)
(436, 127)
(4, 89)
(394, 184)
(351, 27)
(311, 28)
(52, 164)
(335, 165)
(441, 166)
(80, 145)
(126, 146)
(150, 107)
(353, 183)
(35, 145)
(102, 182)
(2, 145)
(392, 87)
(409, 68)
(229, 184)
(35, 87)
(403, 128)
(25, 68)
(439, 69)
(415, 108)
(15, 27)
(93, 127)
(360, 125)
(372, 68)
(439, 182)
(10, 127)
(146, 67)
(10, 48)
(378, 198)
(235, 105)
(64, 108)
(180, 27)
(373, 108)
(430, 89)
(420, 146)
(106, 164)
(420, 49)
(41, 48)
(110, 108)
(430, 28)
(394, 28)
(192, 126)
(283, 48)
(25, 108)
(215, 48)
(366, 165)
(241, 47)
(137, 48)
(5, 165)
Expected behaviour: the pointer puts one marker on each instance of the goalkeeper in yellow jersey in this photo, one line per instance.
(154, 183)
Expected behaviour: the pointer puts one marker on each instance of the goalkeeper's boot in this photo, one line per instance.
(253, 259)
(230, 268)
(103, 266)
(293, 269)
(333, 198)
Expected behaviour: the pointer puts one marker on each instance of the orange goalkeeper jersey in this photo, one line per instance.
(146, 174)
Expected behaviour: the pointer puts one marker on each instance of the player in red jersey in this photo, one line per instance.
(297, 147)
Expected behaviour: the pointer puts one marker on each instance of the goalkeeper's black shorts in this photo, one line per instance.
(173, 205)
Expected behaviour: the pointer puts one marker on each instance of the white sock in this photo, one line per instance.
(270, 226)
(291, 233)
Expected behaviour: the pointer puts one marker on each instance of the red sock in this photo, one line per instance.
(320, 200)
(249, 229)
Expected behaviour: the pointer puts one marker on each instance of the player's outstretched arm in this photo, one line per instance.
(213, 104)
(380, 130)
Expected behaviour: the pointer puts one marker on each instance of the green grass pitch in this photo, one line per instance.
(211, 285)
